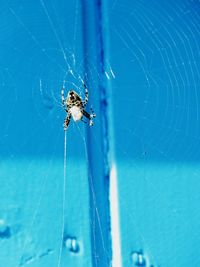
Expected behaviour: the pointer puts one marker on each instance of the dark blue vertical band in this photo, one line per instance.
(97, 137)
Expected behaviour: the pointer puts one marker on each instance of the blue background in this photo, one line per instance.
(141, 63)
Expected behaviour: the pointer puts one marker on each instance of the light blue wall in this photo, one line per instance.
(41, 50)
(154, 53)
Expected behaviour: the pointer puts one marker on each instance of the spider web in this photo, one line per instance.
(153, 68)
(45, 212)
(155, 55)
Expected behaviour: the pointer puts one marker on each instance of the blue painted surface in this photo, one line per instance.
(155, 57)
(97, 137)
(141, 63)
(41, 51)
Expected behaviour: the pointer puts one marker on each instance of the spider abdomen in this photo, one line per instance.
(76, 113)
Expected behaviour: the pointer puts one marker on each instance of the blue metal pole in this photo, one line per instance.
(98, 159)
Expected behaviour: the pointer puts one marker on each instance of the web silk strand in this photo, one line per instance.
(63, 197)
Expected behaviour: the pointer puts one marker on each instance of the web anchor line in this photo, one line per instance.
(63, 198)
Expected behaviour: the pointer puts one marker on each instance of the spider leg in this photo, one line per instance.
(67, 121)
(89, 117)
(86, 114)
(92, 115)
(63, 96)
(86, 95)
(83, 120)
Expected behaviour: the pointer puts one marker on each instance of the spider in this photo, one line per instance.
(75, 107)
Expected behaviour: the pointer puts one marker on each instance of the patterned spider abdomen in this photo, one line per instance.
(76, 113)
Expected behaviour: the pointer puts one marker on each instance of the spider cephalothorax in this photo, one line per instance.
(75, 107)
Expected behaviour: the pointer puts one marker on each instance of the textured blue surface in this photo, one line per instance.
(41, 45)
(141, 63)
(155, 57)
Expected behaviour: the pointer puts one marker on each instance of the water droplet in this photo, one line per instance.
(26, 259)
(72, 244)
(4, 230)
(138, 258)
